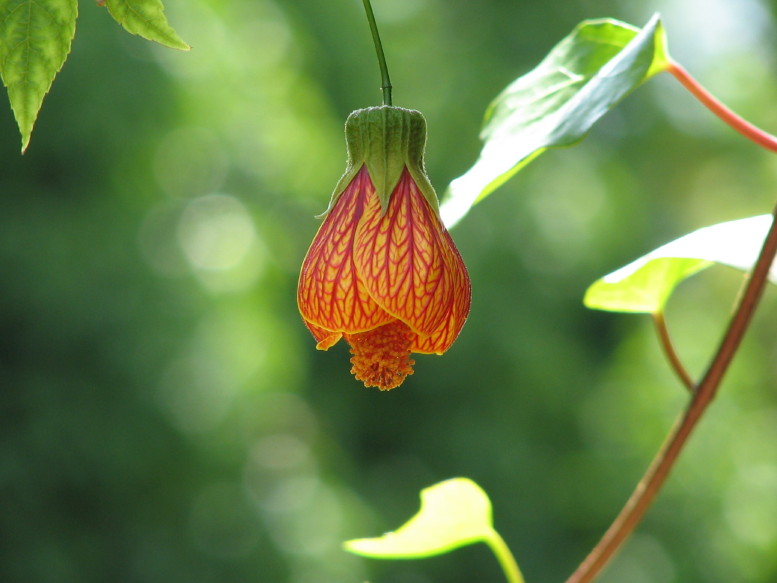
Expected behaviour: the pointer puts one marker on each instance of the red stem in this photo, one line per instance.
(745, 128)
(670, 352)
(659, 469)
(656, 474)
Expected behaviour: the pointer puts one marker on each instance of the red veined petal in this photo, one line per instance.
(330, 295)
(406, 260)
(444, 336)
(326, 338)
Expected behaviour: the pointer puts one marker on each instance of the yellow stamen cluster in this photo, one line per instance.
(381, 357)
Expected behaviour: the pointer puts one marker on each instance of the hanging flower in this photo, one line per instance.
(382, 271)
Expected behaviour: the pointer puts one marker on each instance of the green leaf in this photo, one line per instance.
(453, 513)
(646, 284)
(556, 104)
(35, 37)
(146, 18)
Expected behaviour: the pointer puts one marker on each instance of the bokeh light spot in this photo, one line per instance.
(215, 232)
(196, 392)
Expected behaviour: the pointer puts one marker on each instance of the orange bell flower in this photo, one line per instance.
(382, 271)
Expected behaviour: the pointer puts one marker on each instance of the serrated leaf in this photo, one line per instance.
(556, 104)
(146, 18)
(453, 513)
(35, 37)
(645, 285)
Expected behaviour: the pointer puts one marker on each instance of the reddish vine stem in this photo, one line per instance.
(670, 352)
(744, 127)
(664, 460)
(703, 393)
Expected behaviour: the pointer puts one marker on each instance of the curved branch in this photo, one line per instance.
(670, 352)
(744, 127)
(659, 469)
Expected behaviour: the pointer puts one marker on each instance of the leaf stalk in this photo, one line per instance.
(506, 559)
(671, 354)
(656, 474)
(751, 132)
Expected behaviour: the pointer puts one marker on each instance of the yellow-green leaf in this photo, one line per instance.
(35, 37)
(146, 18)
(644, 285)
(453, 513)
(557, 103)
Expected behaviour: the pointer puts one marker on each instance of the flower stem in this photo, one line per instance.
(384, 74)
(760, 137)
(671, 353)
(505, 557)
(659, 469)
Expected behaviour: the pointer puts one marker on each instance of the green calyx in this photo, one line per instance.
(387, 139)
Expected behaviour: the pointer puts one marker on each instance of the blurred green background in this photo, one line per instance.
(164, 415)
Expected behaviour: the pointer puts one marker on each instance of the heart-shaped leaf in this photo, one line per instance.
(645, 285)
(556, 104)
(453, 513)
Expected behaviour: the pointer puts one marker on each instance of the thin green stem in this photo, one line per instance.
(384, 74)
(671, 354)
(505, 557)
(659, 469)
(751, 132)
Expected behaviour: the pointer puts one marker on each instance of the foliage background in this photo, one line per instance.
(163, 413)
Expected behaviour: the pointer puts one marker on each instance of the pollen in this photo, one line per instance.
(381, 357)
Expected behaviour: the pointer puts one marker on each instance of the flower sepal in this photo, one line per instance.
(387, 140)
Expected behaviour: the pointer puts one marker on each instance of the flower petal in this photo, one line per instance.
(442, 339)
(329, 294)
(407, 260)
(325, 339)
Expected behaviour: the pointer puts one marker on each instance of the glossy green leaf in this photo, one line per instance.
(146, 18)
(645, 285)
(556, 104)
(453, 513)
(35, 37)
